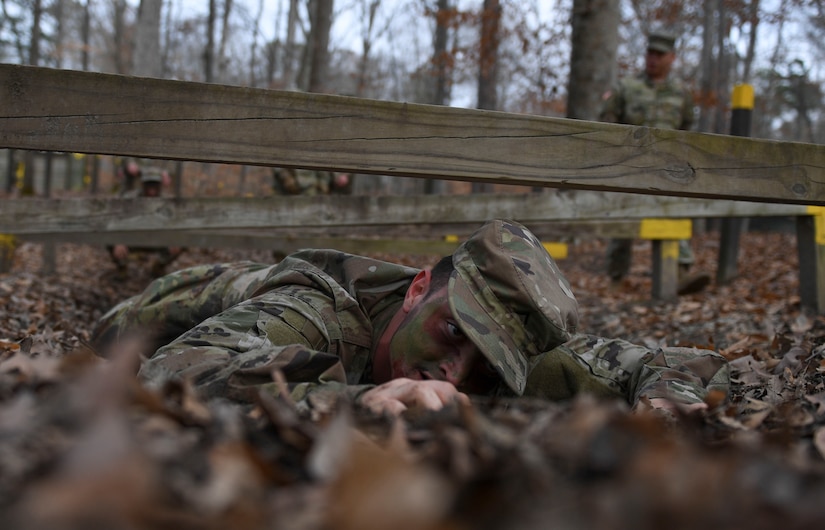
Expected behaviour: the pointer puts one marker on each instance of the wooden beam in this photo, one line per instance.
(63, 110)
(96, 215)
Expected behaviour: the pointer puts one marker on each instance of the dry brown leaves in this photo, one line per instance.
(82, 445)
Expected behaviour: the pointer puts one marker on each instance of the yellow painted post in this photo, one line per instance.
(731, 228)
(810, 244)
(8, 244)
(665, 235)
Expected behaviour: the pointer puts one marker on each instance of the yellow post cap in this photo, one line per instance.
(742, 97)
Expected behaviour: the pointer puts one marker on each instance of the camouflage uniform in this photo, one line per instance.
(640, 101)
(302, 181)
(318, 315)
(161, 257)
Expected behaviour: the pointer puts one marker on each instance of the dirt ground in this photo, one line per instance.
(82, 445)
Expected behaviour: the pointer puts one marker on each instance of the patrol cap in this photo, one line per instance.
(151, 175)
(510, 298)
(661, 42)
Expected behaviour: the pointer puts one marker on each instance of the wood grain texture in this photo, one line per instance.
(75, 111)
(97, 215)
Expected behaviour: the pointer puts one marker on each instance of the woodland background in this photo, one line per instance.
(82, 445)
(554, 57)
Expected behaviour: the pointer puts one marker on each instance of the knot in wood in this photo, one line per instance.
(682, 173)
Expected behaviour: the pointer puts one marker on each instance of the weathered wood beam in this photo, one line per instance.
(62, 110)
(22, 216)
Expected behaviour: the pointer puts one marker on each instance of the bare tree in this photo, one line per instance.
(371, 31)
(222, 59)
(441, 59)
(595, 36)
(320, 19)
(488, 55)
(209, 51)
(34, 41)
(86, 34)
(488, 65)
(120, 50)
(290, 45)
(253, 56)
(147, 39)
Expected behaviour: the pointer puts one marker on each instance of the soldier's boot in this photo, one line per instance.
(691, 283)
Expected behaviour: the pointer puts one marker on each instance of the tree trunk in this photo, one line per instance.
(289, 45)
(253, 56)
(60, 32)
(34, 42)
(370, 8)
(441, 75)
(707, 68)
(441, 59)
(320, 24)
(753, 12)
(488, 66)
(120, 48)
(209, 52)
(488, 55)
(223, 61)
(722, 68)
(87, 22)
(147, 39)
(595, 38)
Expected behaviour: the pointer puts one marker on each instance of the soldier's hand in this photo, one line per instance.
(120, 252)
(667, 405)
(398, 395)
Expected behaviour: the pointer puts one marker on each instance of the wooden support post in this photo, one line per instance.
(731, 228)
(810, 243)
(665, 234)
(8, 243)
(665, 269)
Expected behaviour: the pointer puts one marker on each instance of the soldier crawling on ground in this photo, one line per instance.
(497, 317)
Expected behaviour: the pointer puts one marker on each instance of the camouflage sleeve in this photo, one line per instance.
(614, 368)
(174, 303)
(236, 353)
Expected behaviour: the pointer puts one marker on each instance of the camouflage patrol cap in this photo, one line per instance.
(661, 42)
(510, 298)
(151, 174)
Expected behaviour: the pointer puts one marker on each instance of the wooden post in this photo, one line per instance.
(731, 227)
(810, 244)
(8, 243)
(665, 234)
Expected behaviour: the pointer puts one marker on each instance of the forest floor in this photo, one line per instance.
(83, 445)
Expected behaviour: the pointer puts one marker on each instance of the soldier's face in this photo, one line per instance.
(428, 344)
(151, 189)
(658, 64)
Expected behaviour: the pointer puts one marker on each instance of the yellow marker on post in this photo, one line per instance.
(555, 249)
(742, 97)
(665, 229)
(818, 213)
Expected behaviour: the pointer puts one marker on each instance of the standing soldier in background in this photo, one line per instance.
(652, 99)
(152, 179)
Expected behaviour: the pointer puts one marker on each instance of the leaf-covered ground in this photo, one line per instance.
(82, 445)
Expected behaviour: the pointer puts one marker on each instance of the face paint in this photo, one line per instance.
(429, 345)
